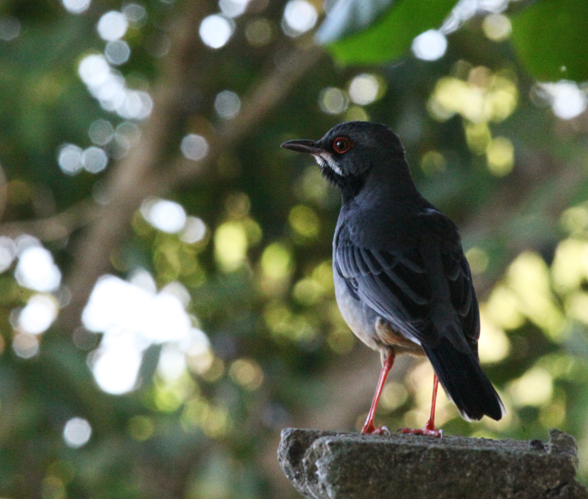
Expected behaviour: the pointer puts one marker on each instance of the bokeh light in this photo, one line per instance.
(259, 32)
(101, 132)
(500, 156)
(76, 6)
(194, 230)
(70, 158)
(164, 215)
(299, 17)
(36, 270)
(116, 364)
(194, 147)
(109, 87)
(227, 104)
(77, 432)
(216, 30)
(7, 252)
(133, 316)
(94, 159)
(112, 26)
(497, 27)
(230, 245)
(117, 52)
(135, 13)
(233, 8)
(333, 101)
(363, 89)
(430, 45)
(9, 28)
(25, 345)
(566, 99)
(38, 315)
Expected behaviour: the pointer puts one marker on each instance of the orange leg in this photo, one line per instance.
(430, 428)
(369, 427)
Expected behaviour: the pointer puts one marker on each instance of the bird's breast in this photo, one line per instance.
(356, 314)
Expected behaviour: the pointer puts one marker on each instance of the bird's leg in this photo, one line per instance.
(387, 364)
(430, 428)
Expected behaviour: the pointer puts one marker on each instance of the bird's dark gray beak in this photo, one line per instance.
(305, 146)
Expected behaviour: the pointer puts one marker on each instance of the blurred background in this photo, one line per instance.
(166, 296)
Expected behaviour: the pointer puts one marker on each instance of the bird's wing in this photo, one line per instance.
(461, 290)
(397, 284)
(393, 284)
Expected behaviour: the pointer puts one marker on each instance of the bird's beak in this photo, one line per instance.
(305, 146)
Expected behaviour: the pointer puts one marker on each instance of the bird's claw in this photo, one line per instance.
(431, 432)
(380, 430)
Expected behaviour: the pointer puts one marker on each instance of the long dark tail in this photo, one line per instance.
(465, 382)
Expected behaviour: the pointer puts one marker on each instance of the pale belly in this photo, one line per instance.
(368, 326)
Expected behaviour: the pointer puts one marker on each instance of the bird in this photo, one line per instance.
(402, 281)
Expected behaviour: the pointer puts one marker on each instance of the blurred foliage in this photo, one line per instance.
(391, 35)
(547, 37)
(248, 270)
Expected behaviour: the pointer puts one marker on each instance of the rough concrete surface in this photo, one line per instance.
(331, 465)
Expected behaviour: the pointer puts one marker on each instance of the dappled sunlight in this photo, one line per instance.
(534, 388)
(230, 245)
(276, 262)
(166, 273)
(503, 309)
(528, 277)
(570, 265)
(483, 97)
(304, 221)
(478, 260)
(500, 156)
(494, 344)
(246, 373)
(110, 89)
(133, 316)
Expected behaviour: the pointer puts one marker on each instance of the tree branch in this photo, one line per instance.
(140, 174)
(53, 228)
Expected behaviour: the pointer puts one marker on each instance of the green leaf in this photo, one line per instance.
(348, 16)
(389, 37)
(551, 39)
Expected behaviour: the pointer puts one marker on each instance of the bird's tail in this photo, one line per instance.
(464, 382)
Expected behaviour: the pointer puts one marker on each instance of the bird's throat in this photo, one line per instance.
(349, 185)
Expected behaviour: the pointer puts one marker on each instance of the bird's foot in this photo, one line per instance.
(429, 431)
(370, 429)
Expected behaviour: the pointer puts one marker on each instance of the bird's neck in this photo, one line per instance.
(393, 184)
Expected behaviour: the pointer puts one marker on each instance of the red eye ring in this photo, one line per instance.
(341, 145)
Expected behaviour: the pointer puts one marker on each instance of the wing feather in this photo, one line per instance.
(393, 285)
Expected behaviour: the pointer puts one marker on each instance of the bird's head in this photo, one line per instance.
(350, 152)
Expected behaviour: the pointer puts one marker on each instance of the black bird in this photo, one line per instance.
(402, 282)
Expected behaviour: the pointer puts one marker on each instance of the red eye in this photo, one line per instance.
(341, 145)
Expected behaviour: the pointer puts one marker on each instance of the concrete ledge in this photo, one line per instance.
(322, 464)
